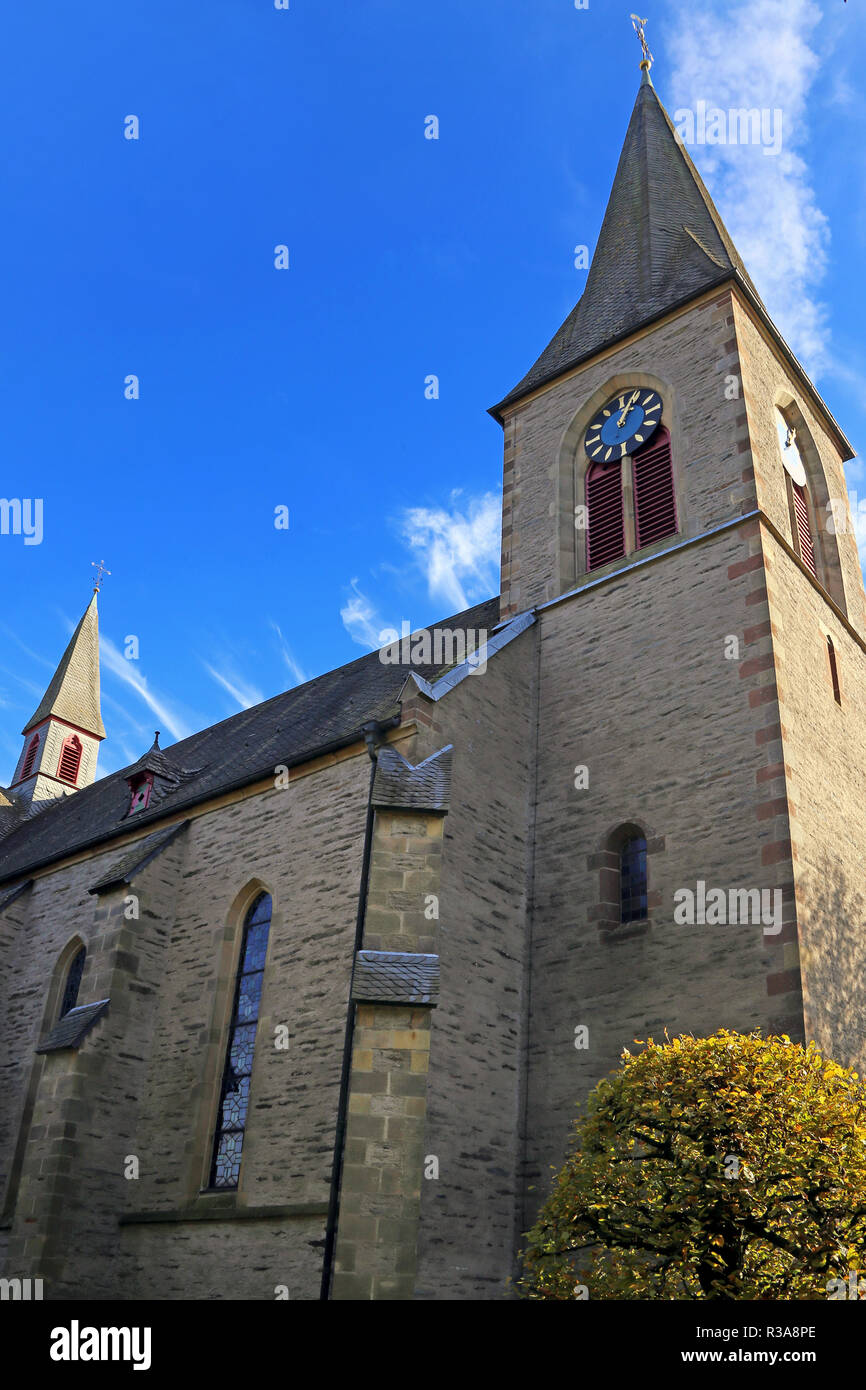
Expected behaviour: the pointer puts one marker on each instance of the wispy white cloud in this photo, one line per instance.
(759, 54)
(362, 620)
(30, 686)
(42, 660)
(240, 690)
(127, 672)
(292, 666)
(457, 549)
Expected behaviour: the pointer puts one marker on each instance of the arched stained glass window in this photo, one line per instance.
(633, 881)
(235, 1093)
(73, 982)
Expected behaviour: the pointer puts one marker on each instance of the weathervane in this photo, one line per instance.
(638, 26)
(100, 572)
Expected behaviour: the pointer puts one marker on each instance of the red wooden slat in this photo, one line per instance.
(804, 530)
(30, 758)
(605, 535)
(655, 501)
(70, 760)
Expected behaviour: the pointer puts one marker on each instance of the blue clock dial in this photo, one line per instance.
(627, 421)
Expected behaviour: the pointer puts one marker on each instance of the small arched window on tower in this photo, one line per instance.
(30, 757)
(70, 759)
(655, 503)
(73, 982)
(834, 670)
(633, 880)
(805, 544)
(235, 1093)
(605, 532)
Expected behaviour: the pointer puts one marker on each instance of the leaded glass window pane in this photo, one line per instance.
(73, 981)
(633, 889)
(235, 1095)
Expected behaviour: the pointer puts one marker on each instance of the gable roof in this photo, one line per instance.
(322, 715)
(73, 694)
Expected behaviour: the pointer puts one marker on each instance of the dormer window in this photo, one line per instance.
(70, 760)
(141, 787)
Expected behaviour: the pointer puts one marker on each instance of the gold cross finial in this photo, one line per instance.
(638, 26)
(101, 571)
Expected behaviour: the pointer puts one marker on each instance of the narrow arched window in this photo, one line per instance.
(633, 880)
(834, 670)
(605, 532)
(70, 759)
(73, 982)
(30, 757)
(805, 544)
(235, 1092)
(655, 503)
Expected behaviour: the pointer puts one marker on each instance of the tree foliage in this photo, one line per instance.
(725, 1167)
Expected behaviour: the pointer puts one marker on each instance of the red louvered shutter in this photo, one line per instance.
(804, 530)
(30, 759)
(605, 534)
(655, 503)
(70, 760)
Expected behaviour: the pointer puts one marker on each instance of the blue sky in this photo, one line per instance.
(305, 388)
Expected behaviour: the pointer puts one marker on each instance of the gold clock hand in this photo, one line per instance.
(621, 421)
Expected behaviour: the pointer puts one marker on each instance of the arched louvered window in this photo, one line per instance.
(805, 544)
(605, 534)
(235, 1093)
(70, 759)
(655, 503)
(73, 981)
(30, 757)
(633, 880)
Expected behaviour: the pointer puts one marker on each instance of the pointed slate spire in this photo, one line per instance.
(73, 694)
(662, 242)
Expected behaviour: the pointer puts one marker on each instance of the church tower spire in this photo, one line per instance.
(61, 739)
(661, 244)
(669, 331)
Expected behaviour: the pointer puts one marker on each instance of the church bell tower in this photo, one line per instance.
(675, 515)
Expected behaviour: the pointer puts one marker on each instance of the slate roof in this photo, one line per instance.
(7, 899)
(123, 870)
(426, 787)
(397, 977)
(73, 1027)
(661, 243)
(73, 694)
(287, 729)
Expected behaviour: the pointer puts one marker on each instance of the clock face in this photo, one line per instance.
(624, 424)
(791, 457)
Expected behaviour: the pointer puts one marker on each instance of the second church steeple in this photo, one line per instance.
(61, 739)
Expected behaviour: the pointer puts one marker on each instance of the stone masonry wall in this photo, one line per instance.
(680, 735)
(692, 357)
(475, 1092)
(145, 1081)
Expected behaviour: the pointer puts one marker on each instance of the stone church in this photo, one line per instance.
(302, 1005)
